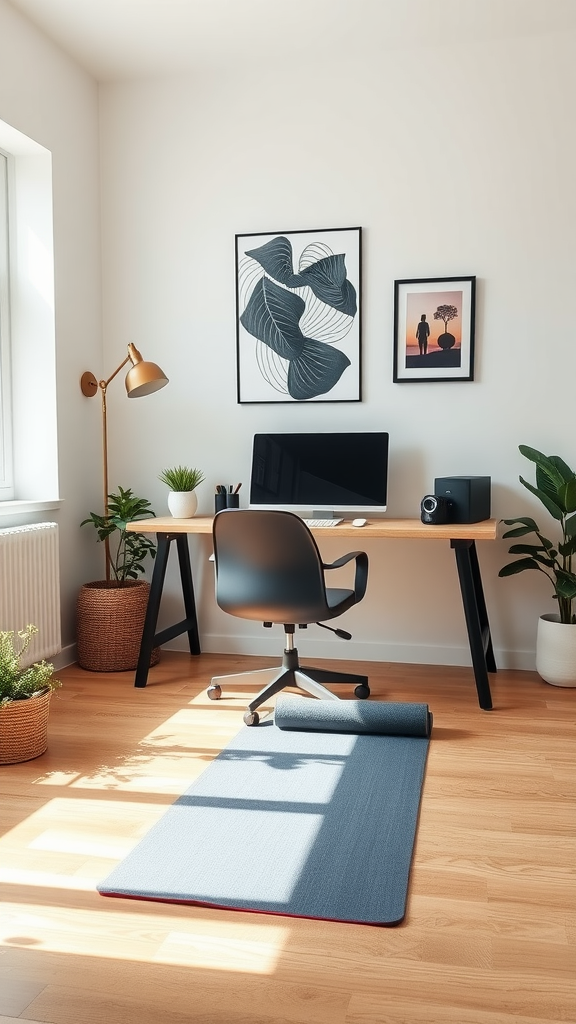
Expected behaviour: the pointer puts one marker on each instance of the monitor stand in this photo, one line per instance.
(324, 513)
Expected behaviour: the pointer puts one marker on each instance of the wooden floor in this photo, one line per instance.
(490, 933)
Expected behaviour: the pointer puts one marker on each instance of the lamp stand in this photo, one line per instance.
(89, 386)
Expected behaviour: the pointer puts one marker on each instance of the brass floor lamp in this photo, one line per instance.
(143, 378)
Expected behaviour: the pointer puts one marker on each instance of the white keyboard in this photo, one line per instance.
(311, 523)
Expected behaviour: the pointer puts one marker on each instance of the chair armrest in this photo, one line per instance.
(361, 574)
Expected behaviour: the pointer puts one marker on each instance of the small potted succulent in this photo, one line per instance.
(25, 694)
(182, 498)
(555, 559)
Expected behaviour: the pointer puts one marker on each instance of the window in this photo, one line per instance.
(6, 483)
(28, 437)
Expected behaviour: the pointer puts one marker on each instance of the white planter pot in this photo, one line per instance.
(556, 651)
(182, 504)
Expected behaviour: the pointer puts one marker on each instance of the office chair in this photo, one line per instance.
(269, 568)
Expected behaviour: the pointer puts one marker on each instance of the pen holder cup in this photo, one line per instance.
(226, 501)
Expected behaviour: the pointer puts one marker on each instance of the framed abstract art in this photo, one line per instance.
(298, 316)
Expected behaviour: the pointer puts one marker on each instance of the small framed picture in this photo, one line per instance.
(434, 329)
(298, 296)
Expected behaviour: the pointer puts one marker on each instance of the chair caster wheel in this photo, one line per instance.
(362, 692)
(251, 718)
(214, 692)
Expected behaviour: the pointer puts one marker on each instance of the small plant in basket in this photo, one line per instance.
(24, 699)
(17, 683)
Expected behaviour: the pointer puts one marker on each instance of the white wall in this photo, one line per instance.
(455, 161)
(453, 148)
(45, 96)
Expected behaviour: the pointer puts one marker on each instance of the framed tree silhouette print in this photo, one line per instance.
(434, 329)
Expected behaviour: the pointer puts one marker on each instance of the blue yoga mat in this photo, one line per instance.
(384, 718)
(305, 815)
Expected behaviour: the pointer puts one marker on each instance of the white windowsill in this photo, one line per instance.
(8, 509)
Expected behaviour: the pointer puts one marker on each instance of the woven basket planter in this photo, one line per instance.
(109, 624)
(24, 728)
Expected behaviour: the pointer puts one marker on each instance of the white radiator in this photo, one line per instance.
(30, 586)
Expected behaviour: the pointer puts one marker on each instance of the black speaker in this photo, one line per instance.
(470, 497)
(435, 510)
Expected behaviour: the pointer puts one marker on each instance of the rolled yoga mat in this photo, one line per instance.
(293, 822)
(383, 718)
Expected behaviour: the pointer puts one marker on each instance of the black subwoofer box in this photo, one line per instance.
(470, 497)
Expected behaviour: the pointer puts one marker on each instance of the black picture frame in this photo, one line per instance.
(423, 353)
(298, 316)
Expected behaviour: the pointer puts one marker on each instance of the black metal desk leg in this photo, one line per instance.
(482, 612)
(476, 618)
(188, 592)
(156, 586)
(189, 625)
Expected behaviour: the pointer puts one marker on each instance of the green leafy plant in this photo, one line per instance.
(181, 478)
(556, 489)
(18, 683)
(127, 554)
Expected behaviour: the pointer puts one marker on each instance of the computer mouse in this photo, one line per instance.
(358, 522)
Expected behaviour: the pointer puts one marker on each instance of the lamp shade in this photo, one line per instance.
(143, 377)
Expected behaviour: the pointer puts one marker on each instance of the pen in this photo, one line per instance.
(237, 488)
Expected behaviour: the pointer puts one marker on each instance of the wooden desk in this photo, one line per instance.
(462, 539)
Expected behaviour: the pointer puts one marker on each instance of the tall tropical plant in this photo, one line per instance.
(556, 489)
(127, 554)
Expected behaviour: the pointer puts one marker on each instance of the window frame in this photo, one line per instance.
(6, 460)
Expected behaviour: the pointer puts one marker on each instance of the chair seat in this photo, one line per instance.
(339, 600)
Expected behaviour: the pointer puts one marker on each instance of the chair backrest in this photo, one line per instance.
(268, 567)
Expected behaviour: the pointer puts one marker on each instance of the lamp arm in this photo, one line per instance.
(104, 383)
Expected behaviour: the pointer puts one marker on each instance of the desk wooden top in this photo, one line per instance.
(400, 529)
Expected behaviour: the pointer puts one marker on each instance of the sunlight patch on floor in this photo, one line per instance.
(215, 716)
(127, 779)
(252, 948)
(221, 943)
(57, 779)
(167, 759)
(67, 838)
(64, 842)
(47, 880)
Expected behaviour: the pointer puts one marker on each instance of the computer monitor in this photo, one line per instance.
(323, 473)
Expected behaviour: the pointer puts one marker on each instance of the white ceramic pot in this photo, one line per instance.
(556, 651)
(182, 504)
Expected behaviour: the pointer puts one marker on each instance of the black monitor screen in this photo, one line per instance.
(347, 471)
